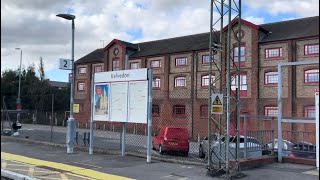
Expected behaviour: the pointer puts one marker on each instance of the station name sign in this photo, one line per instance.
(119, 76)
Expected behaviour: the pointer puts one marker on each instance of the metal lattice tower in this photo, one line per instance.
(228, 69)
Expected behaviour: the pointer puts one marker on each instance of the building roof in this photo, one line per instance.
(292, 29)
(95, 56)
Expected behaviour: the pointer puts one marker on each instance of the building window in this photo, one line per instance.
(273, 53)
(98, 69)
(205, 80)
(311, 76)
(82, 70)
(204, 111)
(242, 54)
(134, 65)
(155, 110)
(155, 64)
(179, 110)
(81, 86)
(180, 82)
(271, 78)
(243, 84)
(205, 59)
(271, 111)
(156, 83)
(310, 111)
(115, 65)
(181, 61)
(311, 49)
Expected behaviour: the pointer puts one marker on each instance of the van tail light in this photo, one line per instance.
(292, 155)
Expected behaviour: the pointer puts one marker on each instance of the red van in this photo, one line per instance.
(171, 139)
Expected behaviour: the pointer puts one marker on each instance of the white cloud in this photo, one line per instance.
(254, 20)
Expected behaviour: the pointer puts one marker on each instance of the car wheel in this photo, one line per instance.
(186, 153)
(160, 149)
(153, 148)
(201, 154)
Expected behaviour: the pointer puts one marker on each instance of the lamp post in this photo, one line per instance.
(71, 123)
(19, 89)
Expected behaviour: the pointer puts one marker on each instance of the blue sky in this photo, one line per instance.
(32, 25)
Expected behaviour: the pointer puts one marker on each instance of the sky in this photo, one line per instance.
(33, 26)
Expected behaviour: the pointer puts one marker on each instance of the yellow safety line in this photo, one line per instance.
(3, 165)
(64, 167)
(83, 177)
(31, 171)
(63, 176)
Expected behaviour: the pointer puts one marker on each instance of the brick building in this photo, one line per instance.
(181, 64)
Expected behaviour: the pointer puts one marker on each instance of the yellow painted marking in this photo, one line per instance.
(3, 165)
(64, 167)
(63, 176)
(75, 175)
(31, 171)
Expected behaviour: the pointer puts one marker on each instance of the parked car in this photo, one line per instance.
(302, 149)
(203, 146)
(254, 148)
(287, 147)
(305, 149)
(171, 139)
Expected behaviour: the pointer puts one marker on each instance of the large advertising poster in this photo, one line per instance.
(101, 102)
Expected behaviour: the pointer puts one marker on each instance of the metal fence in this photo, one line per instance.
(257, 134)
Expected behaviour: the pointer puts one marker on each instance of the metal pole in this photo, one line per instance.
(51, 120)
(210, 84)
(71, 123)
(220, 80)
(91, 117)
(123, 124)
(245, 135)
(317, 128)
(239, 87)
(228, 86)
(149, 140)
(19, 90)
(279, 114)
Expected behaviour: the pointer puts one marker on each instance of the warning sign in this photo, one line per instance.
(217, 104)
(217, 101)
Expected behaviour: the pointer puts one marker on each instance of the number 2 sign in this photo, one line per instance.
(65, 64)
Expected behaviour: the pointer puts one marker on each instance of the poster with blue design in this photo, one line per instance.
(101, 110)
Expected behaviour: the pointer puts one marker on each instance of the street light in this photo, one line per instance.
(71, 123)
(18, 99)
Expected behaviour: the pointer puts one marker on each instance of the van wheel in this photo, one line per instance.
(160, 149)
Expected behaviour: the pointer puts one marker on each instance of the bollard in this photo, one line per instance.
(84, 138)
(112, 127)
(198, 138)
(88, 139)
(78, 125)
(76, 137)
(104, 127)
(86, 125)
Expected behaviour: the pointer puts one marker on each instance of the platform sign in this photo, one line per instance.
(65, 64)
(121, 96)
(217, 104)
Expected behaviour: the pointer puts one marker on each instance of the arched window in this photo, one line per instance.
(311, 76)
(180, 81)
(271, 77)
(205, 80)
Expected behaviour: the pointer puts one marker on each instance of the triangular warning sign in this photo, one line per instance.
(217, 101)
